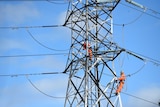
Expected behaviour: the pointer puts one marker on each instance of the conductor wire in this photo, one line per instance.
(42, 91)
(30, 74)
(41, 43)
(142, 11)
(25, 27)
(57, 1)
(133, 21)
(129, 75)
(140, 98)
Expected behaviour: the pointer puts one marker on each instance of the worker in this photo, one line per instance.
(84, 45)
(121, 82)
(89, 50)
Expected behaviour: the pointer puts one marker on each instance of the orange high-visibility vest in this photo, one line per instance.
(121, 83)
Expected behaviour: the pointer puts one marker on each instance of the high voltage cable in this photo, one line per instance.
(55, 97)
(155, 12)
(140, 98)
(143, 57)
(65, 97)
(142, 11)
(24, 27)
(31, 55)
(33, 0)
(57, 1)
(140, 56)
(131, 74)
(43, 44)
(30, 74)
(128, 23)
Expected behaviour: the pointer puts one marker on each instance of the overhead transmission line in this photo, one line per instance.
(138, 17)
(130, 22)
(27, 27)
(140, 56)
(51, 96)
(143, 11)
(130, 74)
(30, 74)
(134, 73)
(24, 27)
(31, 55)
(55, 97)
(143, 57)
(58, 1)
(140, 98)
(43, 44)
(36, 0)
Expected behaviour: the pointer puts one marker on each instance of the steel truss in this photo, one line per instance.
(91, 24)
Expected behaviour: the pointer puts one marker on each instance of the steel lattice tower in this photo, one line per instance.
(92, 55)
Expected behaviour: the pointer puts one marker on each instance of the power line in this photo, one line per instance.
(140, 56)
(128, 23)
(30, 74)
(140, 98)
(43, 44)
(24, 27)
(129, 75)
(55, 97)
(155, 12)
(142, 11)
(57, 1)
(143, 57)
(31, 55)
(33, 0)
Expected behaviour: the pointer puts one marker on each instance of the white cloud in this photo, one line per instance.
(150, 94)
(17, 13)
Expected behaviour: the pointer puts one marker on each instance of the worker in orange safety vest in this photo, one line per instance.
(89, 50)
(121, 80)
(84, 45)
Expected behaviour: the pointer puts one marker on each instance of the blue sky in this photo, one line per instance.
(141, 36)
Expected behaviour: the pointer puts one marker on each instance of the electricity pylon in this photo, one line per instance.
(92, 55)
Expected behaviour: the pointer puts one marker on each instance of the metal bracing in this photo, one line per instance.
(92, 51)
